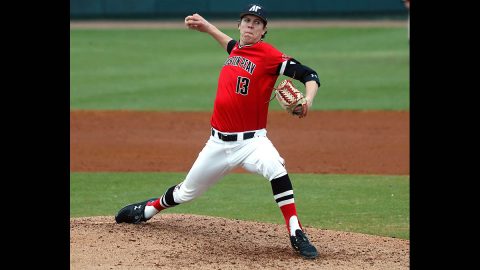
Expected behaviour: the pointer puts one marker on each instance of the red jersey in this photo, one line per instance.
(245, 87)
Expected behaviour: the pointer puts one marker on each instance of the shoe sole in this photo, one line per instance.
(311, 257)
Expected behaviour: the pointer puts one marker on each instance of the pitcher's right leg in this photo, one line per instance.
(209, 167)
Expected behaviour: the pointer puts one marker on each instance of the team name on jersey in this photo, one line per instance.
(242, 62)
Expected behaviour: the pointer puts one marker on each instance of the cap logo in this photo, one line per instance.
(254, 8)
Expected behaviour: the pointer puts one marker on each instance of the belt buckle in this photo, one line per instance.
(222, 136)
(230, 137)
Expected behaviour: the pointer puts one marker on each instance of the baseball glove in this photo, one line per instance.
(291, 99)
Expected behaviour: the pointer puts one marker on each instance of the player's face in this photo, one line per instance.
(251, 29)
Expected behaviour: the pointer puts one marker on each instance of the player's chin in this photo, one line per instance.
(249, 39)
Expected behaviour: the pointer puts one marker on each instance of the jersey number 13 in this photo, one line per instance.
(242, 85)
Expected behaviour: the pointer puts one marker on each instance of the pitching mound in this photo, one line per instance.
(175, 241)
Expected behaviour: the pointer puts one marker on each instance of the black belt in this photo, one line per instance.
(233, 137)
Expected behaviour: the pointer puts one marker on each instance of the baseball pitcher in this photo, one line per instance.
(238, 135)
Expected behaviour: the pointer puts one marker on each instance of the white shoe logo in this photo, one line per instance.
(254, 8)
(137, 207)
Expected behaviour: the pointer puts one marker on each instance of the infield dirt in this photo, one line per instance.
(343, 142)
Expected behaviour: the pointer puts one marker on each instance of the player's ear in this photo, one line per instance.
(265, 30)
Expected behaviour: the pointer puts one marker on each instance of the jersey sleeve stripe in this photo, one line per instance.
(282, 68)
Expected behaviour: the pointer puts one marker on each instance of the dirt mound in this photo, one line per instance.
(176, 241)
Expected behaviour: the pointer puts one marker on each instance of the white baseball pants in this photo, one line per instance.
(218, 158)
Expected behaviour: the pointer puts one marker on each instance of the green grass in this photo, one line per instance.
(377, 205)
(177, 69)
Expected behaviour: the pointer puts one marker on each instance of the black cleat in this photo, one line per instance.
(133, 213)
(301, 244)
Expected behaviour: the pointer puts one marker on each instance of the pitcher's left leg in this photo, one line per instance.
(265, 160)
(283, 194)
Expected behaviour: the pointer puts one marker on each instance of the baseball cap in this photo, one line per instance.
(257, 10)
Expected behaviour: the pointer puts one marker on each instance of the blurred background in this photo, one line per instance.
(220, 9)
(360, 48)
